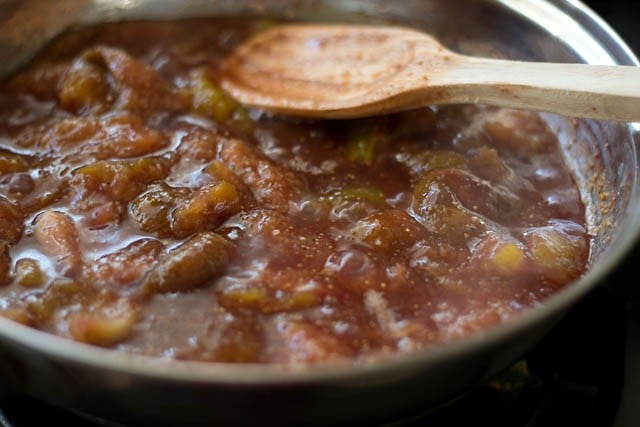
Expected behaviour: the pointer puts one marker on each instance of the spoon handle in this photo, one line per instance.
(579, 90)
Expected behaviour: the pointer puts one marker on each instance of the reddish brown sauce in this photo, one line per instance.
(143, 210)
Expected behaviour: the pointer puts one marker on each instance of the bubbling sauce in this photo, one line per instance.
(144, 210)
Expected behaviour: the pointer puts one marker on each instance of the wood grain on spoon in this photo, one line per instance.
(342, 71)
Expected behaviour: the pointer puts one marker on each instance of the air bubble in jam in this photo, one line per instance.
(348, 262)
(144, 210)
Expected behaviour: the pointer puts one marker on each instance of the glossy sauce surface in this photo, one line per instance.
(144, 210)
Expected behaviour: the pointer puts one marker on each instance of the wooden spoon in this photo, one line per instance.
(341, 71)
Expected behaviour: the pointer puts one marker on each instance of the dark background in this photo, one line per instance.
(624, 17)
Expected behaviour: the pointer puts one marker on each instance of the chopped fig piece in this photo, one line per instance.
(189, 266)
(11, 222)
(58, 236)
(100, 328)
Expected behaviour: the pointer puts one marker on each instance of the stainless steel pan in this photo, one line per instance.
(155, 391)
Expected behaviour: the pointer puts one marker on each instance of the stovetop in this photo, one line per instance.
(586, 372)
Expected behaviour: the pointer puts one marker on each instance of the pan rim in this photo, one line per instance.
(274, 374)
